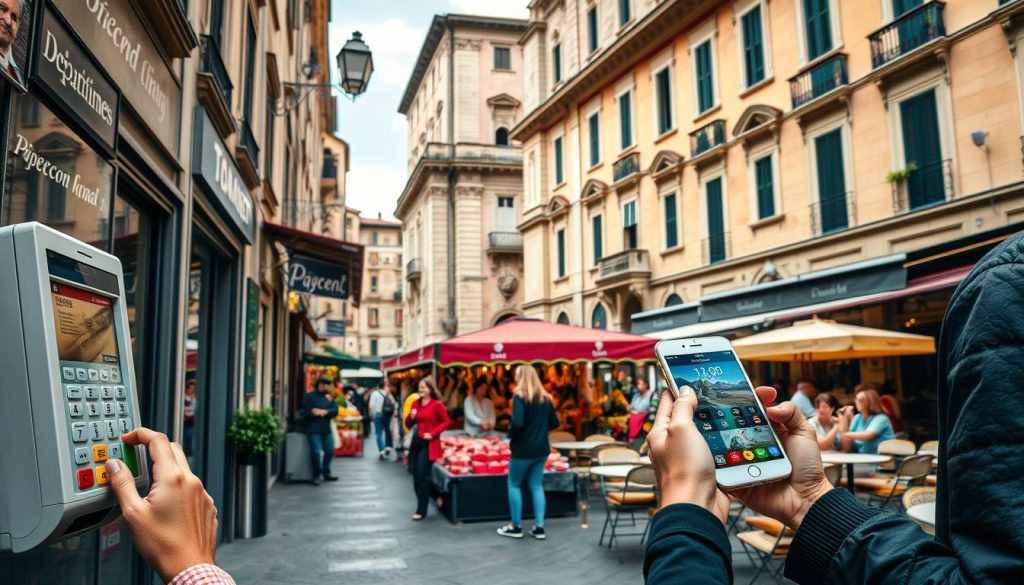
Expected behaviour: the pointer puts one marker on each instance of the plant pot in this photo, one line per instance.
(252, 499)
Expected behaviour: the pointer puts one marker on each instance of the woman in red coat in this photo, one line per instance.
(430, 418)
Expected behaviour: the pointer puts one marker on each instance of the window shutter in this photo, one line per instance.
(626, 119)
(819, 28)
(831, 182)
(664, 89)
(765, 188)
(705, 88)
(597, 222)
(671, 222)
(753, 46)
(595, 139)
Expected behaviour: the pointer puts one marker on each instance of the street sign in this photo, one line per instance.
(335, 328)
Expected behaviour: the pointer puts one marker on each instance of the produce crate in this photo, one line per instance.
(349, 440)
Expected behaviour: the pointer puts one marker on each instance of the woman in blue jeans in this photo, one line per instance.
(533, 417)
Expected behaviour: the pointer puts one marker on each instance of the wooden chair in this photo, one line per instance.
(912, 471)
(639, 493)
(833, 473)
(930, 448)
(766, 544)
(897, 449)
(919, 495)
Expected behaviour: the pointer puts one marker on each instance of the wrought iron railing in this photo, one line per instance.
(414, 268)
(833, 214)
(627, 262)
(247, 140)
(626, 166)
(707, 137)
(909, 31)
(819, 80)
(923, 186)
(211, 63)
(715, 248)
(505, 241)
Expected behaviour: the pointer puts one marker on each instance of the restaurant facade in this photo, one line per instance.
(160, 132)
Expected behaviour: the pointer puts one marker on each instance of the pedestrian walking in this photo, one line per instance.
(431, 419)
(382, 410)
(533, 417)
(979, 516)
(318, 409)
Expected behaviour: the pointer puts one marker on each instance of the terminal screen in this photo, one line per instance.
(84, 324)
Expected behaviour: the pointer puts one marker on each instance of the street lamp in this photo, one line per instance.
(355, 63)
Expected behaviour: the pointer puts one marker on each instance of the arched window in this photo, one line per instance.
(563, 319)
(673, 300)
(501, 137)
(599, 319)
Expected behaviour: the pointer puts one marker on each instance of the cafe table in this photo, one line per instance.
(924, 515)
(851, 459)
(576, 445)
(618, 471)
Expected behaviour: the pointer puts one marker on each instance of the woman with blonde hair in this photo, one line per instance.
(861, 433)
(533, 417)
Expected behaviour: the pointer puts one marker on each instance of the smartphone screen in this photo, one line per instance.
(727, 414)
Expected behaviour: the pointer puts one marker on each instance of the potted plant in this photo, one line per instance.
(256, 434)
(900, 175)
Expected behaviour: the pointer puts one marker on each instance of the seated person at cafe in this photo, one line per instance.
(862, 432)
(826, 422)
(478, 409)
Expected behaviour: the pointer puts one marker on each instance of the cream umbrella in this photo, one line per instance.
(821, 340)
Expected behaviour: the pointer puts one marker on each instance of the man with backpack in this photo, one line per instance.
(382, 409)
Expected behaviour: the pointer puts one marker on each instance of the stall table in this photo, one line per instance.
(350, 431)
(479, 497)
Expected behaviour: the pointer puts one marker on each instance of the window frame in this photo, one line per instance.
(561, 262)
(835, 23)
(709, 36)
(597, 237)
(771, 150)
(594, 156)
(593, 29)
(664, 64)
(913, 87)
(667, 246)
(558, 160)
(508, 51)
(741, 10)
(838, 121)
(556, 64)
(717, 173)
(631, 118)
(628, 5)
(635, 226)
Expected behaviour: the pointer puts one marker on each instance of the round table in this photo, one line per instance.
(851, 459)
(576, 445)
(618, 471)
(923, 514)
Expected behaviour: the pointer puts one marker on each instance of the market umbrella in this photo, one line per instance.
(821, 340)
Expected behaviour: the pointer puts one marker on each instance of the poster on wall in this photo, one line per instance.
(252, 333)
(16, 23)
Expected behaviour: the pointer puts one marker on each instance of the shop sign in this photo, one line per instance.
(663, 319)
(66, 72)
(809, 290)
(214, 169)
(335, 328)
(116, 35)
(322, 279)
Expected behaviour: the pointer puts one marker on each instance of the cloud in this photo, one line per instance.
(395, 45)
(507, 8)
(374, 189)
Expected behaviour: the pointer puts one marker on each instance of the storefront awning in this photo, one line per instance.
(346, 255)
(327, 360)
(423, 356)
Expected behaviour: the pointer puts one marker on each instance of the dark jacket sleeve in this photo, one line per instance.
(304, 408)
(688, 544)
(553, 422)
(332, 408)
(842, 540)
(518, 413)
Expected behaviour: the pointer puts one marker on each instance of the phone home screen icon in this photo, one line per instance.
(734, 457)
(773, 451)
(719, 459)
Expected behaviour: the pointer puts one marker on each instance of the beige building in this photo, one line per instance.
(696, 166)
(463, 256)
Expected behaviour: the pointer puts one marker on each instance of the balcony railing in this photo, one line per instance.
(911, 30)
(414, 269)
(819, 80)
(473, 152)
(833, 214)
(247, 142)
(707, 137)
(924, 186)
(211, 63)
(626, 166)
(624, 264)
(505, 241)
(715, 248)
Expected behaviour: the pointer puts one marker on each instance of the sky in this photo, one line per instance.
(375, 131)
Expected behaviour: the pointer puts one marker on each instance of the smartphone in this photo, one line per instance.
(729, 415)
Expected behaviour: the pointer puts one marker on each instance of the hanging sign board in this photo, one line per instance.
(214, 170)
(323, 279)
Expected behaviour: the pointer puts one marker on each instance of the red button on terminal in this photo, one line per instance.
(85, 478)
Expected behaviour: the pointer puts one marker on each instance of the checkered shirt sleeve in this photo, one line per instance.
(203, 575)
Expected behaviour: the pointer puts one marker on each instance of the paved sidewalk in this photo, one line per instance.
(357, 530)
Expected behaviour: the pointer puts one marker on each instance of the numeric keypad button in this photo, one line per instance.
(96, 430)
(73, 392)
(111, 429)
(79, 432)
(108, 408)
(75, 409)
(92, 392)
(120, 393)
(94, 408)
(122, 408)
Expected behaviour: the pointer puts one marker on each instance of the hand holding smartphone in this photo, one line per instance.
(729, 415)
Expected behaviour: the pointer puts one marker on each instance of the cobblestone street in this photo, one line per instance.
(360, 532)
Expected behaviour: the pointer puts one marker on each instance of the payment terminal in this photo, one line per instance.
(67, 386)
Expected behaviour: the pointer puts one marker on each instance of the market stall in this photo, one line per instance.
(588, 372)
(473, 470)
(348, 432)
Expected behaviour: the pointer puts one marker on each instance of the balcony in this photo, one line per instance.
(707, 137)
(214, 87)
(715, 248)
(504, 242)
(833, 214)
(923, 186)
(911, 30)
(469, 152)
(626, 166)
(414, 269)
(247, 152)
(624, 265)
(817, 81)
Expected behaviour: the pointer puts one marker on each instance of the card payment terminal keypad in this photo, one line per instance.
(97, 415)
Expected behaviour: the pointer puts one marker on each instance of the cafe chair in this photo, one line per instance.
(599, 438)
(736, 510)
(919, 495)
(897, 449)
(930, 448)
(614, 454)
(561, 437)
(585, 459)
(639, 493)
(912, 471)
(766, 545)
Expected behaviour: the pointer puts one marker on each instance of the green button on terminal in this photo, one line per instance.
(128, 455)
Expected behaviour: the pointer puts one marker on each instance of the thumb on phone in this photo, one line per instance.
(123, 483)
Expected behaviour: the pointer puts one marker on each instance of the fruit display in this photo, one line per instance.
(348, 440)
(486, 456)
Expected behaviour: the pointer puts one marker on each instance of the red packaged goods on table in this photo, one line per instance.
(485, 456)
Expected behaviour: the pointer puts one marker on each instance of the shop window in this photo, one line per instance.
(28, 112)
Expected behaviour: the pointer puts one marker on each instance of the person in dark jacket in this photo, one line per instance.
(533, 417)
(317, 410)
(979, 529)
